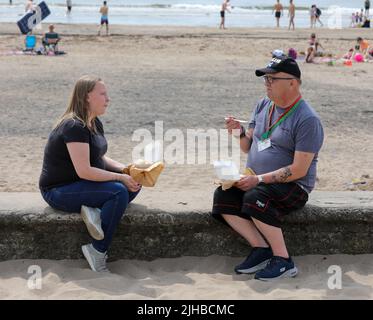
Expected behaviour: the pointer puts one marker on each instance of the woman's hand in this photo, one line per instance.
(247, 183)
(129, 182)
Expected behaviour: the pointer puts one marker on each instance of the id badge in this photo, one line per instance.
(264, 144)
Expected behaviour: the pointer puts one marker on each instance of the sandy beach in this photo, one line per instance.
(185, 278)
(188, 78)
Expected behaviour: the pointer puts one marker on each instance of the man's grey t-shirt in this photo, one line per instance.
(301, 131)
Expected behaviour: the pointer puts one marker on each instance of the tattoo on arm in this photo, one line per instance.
(282, 175)
(273, 178)
(285, 174)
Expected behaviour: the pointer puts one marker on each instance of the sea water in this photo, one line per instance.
(198, 13)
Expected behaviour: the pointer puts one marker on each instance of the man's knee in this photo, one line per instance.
(225, 196)
(218, 194)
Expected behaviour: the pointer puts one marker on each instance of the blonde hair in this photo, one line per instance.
(78, 107)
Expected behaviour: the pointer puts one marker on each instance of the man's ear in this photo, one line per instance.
(294, 82)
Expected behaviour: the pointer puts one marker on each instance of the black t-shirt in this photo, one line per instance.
(58, 168)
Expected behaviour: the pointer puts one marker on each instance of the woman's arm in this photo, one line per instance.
(112, 165)
(79, 154)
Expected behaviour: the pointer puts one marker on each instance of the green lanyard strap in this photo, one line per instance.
(290, 110)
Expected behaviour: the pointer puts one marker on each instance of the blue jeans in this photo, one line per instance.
(111, 197)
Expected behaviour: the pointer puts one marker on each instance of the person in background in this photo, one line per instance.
(353, 20)
(315, 43)
(313, 16)
(104, 10)
(224, 7)
(291, 14)
(367, 7)
(366, 23)
(279, 11)
(356, 19)
(318, 14)
(361, 17)
(310, 54)
(29, 7)
(362, 46)
(51, 39)
(69, 6)
(349, 55)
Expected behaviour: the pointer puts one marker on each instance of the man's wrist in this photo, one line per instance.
(260, 179)
(243, 132)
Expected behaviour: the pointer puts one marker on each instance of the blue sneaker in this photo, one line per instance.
(257, 260)
(277, 268)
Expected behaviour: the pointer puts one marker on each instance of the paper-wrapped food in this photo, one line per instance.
(228, 173)
(145, 172)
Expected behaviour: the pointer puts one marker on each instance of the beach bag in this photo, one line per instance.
(144, 173)
(318, 12)
(292, 53)
(30, 42)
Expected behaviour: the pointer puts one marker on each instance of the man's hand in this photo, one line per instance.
(231, 124)
(247, 183)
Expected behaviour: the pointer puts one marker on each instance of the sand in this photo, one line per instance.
(186, 278)
(188, 78)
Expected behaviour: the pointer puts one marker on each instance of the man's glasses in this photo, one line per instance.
(270, 80)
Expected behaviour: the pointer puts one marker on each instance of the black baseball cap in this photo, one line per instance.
(280, 64)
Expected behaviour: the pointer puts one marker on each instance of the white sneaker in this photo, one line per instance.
(92, 219)
(96, 259)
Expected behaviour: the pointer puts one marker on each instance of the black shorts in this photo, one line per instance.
(222, 14)
(278, 14)
(268, 203)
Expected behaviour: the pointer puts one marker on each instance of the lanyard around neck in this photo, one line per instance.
(288, 111)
